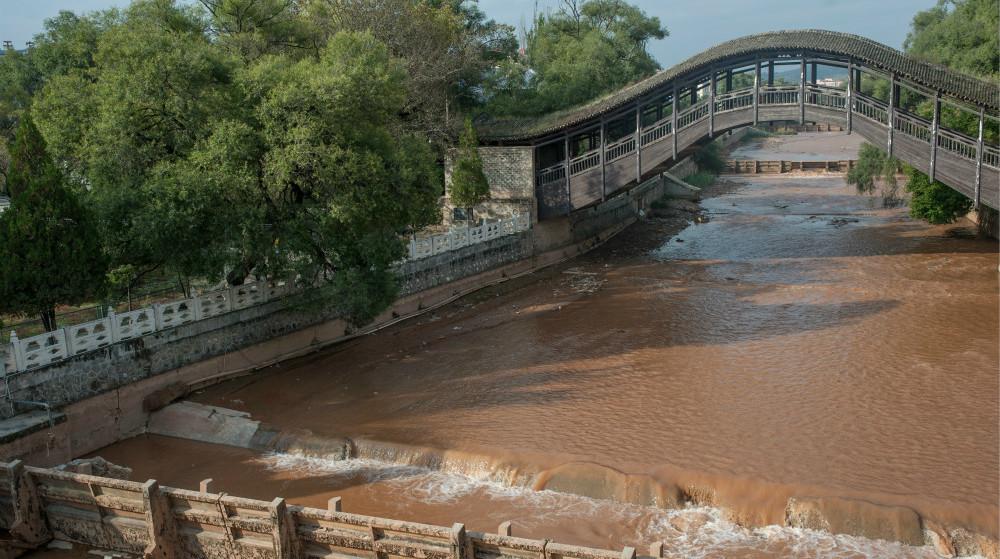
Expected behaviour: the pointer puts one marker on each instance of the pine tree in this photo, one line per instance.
(468, 182)
(49, 249)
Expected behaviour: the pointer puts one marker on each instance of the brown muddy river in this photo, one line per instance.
(803, 342)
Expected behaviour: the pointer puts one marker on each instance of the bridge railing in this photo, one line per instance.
(825, 96)
(871, 108)
(991, 156)
(779, 95)
(959, 144)
(734, 100)
(152, 520)
(619, 149)
(585, 161)
(692, 115)
(548, 175)
(657, 131)
(912, 126)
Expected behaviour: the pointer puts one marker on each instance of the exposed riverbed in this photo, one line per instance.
(802, 342)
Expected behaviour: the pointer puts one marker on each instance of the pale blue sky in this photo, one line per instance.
(694, 24)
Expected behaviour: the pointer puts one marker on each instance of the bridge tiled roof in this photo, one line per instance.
(864, 51)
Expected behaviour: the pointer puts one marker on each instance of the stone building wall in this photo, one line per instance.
(510, 172)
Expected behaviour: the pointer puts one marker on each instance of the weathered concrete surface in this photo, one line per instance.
(29, 422)
(207, 424)
(856, 518)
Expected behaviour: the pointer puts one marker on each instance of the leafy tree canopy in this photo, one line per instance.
(585, 50)
(49, 251)
(468, 182)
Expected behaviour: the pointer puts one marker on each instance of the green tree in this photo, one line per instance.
(469, 186)
(961, 34)
(49, 250)
(575, 55)
(933, 201)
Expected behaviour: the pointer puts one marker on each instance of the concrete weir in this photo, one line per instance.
(851, 516)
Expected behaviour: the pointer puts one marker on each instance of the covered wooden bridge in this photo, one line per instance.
(582, 156)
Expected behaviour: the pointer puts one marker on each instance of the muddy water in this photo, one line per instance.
(801, 343)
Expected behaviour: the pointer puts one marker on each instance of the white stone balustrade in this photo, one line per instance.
(458, 237)
(37, 351)
(43, 349)
(89, 336)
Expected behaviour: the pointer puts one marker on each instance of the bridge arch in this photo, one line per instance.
(585, 154)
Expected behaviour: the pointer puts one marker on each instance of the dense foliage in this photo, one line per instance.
(49, 249)
(961, 34)
(468, 182)
(934, 201)
(586, 49)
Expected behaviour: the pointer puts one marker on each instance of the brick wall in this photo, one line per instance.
(510, 172)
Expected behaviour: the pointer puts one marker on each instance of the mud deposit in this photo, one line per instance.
(801, 343)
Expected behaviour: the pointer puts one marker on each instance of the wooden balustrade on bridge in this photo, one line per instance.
(583, 156)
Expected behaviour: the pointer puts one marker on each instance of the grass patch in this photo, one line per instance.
(701, 179)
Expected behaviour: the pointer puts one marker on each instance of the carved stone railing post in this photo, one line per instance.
(283, 530)
(461, 547)
(979, 159)
(28, 526)
(935, 125)
(163, 538)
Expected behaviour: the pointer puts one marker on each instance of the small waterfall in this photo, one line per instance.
(474, 466)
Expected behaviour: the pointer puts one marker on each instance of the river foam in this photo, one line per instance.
(689, 532)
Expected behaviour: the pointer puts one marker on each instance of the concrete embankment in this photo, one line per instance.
(101, 397)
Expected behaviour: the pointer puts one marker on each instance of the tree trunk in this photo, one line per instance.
(49, 319)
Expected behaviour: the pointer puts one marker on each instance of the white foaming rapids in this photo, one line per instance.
(693, 532)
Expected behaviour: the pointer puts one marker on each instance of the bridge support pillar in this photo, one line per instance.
(850, 96)
(569, 170)
(893, 98)
(604, 170)
(979, 159)
(673, 119)
(711, 104)
(638, 143)
(935, 124)
(802, 91)
(756, 91)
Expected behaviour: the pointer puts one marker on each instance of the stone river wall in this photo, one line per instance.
(145, 519)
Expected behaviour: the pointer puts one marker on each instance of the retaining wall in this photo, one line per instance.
(148, 520)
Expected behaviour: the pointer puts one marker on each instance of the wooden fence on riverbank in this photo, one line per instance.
(755, 167)
(148, 520)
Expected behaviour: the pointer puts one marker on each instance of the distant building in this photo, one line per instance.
(830, 82)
